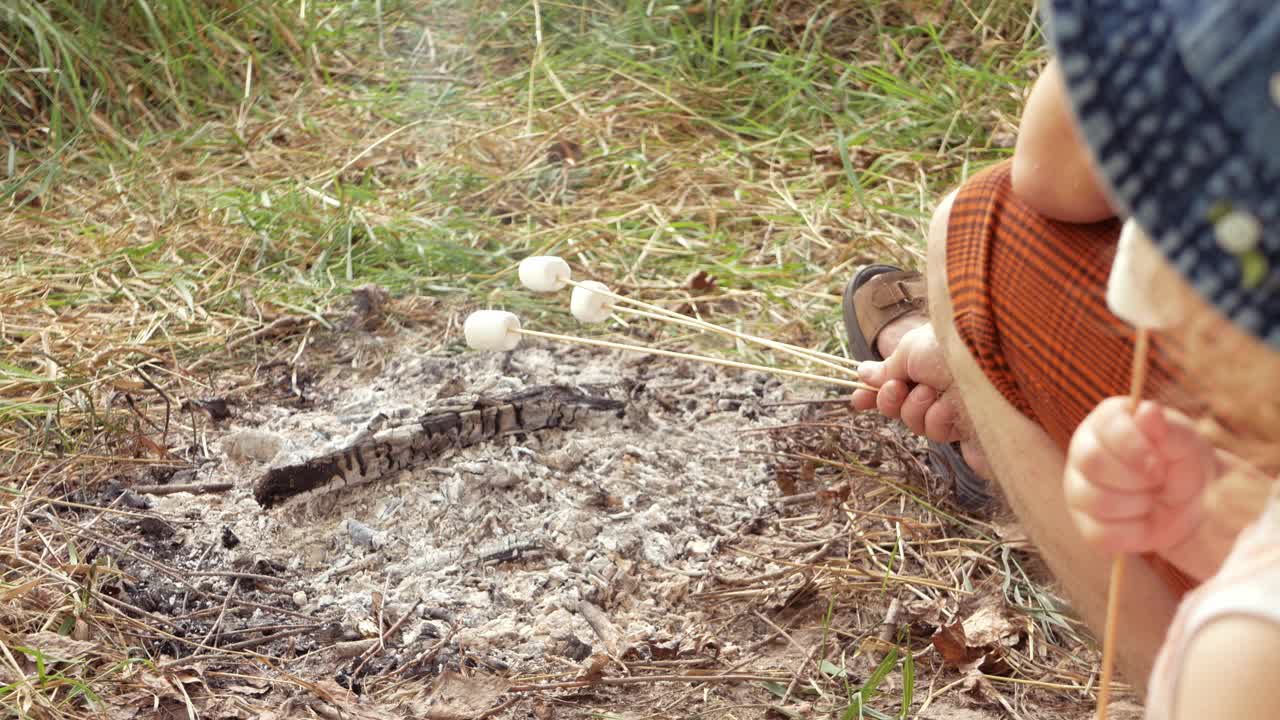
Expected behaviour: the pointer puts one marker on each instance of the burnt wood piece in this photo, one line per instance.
(394, 449)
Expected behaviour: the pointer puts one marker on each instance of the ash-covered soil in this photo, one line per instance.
(717, 525)
(499, 545)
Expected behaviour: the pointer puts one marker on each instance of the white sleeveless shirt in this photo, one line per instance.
(1248, 584)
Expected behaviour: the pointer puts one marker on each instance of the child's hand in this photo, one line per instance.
(1133, 482)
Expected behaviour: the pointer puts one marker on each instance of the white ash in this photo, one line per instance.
(505, 538)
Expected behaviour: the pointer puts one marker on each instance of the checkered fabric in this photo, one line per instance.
(1180, 102)
(1029, 302)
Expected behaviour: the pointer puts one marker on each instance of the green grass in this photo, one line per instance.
(131, 67)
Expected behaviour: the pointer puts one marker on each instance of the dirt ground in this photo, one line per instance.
(726, 545)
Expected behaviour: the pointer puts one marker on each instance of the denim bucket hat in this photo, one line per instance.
(1179, 101)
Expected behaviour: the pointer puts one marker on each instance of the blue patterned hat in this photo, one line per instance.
(1179, 101)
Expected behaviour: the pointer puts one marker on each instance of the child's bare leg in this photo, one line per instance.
(1028, 466)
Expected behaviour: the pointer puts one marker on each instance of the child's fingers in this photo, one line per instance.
(1187, 459)
(1121, 536)
(1092, 456)
(1121, 439)
(1103, 504)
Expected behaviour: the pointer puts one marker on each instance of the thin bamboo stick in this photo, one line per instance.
(712, 327)
(1138, 379)
(696, 358)
(792, 350)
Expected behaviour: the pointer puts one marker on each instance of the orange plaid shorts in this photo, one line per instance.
(1029, 296)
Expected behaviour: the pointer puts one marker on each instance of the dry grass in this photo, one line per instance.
(773, 147)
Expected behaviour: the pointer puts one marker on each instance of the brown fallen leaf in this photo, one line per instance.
(785, 478)
(952, 645)
(331, 700)
(460, 698)
(594, 666)
(993, 623)
(701, 282)
(927, 613)
(57, 647)
(979, 639)
(369, 307)
(564, 151)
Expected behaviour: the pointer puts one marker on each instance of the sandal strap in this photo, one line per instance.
(889, 295)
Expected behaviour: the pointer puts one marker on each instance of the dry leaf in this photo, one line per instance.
(564, 151)
(593, 667)
(991, 625)
(333, 700)
(701, 282)
(461, 698)
(929, 613)
(831, 496)
(57, 647)
(785, 478)
(951, 644)
(1013, 534)
(979, 640)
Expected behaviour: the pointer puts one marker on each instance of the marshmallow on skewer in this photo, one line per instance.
(589, 306)
(544, 273)
(1138, 290)
(496, 330)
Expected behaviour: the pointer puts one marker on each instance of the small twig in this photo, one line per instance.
(168, 402)
(355, 565)
(353, 648)
(642, 679)
(193, 488)
(814, 401)
(788, 570)
(382, 639)
(217, 623)
(277, 325)
(238, 575)
(255, 642)
(603, 627)
(889, 627)
(778, 632)
(1138, 378)
(425, 655)
(795, 678)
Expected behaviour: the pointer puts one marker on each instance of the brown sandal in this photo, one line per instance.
(875, 297)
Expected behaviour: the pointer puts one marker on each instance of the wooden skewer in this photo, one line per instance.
(712, 327)
(695, 358)
(783, 347)
(1137, 379)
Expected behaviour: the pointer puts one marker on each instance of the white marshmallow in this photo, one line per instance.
(590, 306)
(1139, 291)
(496, 330)
(544, 273)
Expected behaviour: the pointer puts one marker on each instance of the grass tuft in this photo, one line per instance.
(123, 69)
